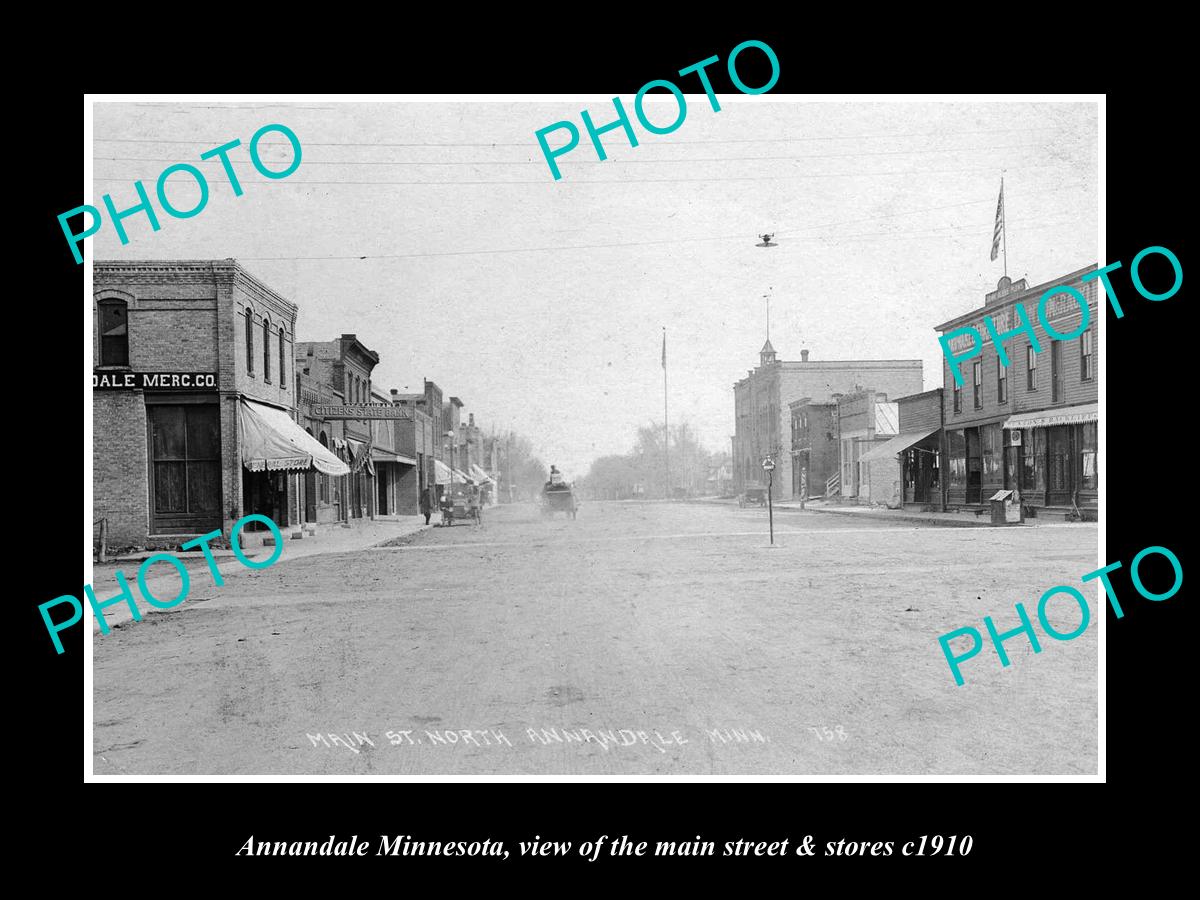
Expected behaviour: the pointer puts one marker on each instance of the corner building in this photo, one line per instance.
(193, 399)
(1030, 426)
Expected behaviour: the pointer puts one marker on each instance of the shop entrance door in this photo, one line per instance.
(1058, 477)
(974, 467)
(310, 496)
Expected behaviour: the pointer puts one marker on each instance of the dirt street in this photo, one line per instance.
(637, 639)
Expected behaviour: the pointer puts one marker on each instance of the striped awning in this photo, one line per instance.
(271, 441)
(1066, 415)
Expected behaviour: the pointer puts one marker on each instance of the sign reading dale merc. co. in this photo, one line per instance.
(140, 381)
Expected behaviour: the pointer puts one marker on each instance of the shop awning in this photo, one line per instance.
(441, 472)
(384, 456)
(272, 442)
(1067, 415)
(481, 476)
(898, 444)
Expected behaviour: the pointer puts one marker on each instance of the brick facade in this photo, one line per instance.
(762, 404)
(814, 444)
(183, 316)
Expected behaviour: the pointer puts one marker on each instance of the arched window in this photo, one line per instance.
(266, 350)
(249, 341)
(282, 359)
(113, 317)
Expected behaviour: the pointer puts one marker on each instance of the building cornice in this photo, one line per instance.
(1015, 297)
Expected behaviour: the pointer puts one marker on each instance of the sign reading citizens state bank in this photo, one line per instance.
(141, 381)
(358, 411)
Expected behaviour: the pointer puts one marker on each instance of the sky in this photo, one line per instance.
(436, 232)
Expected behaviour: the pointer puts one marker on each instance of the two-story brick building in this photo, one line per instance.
(417, 436)
(193, 401)
(762, 404)
(1030, 425)
(346, 365)
(814, 446)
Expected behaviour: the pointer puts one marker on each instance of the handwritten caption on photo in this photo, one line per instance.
(145, 206)
(622, 120)
(1026, 627)
(605, 738)
(126, 595)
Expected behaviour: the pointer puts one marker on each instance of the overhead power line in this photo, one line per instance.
(610, 182)
(532, 140)
(951, 231)
(594, 162)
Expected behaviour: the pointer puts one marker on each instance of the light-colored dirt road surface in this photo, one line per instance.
(638, 639)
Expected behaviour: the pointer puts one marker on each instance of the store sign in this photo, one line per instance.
(150, 381)
(360, 411)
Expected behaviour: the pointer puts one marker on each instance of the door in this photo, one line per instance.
(974, 467)
(310, 496)
(1058, 474)
(382, 480)
(185, 467)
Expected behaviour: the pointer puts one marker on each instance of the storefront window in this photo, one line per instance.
(957, 441)
(1089, 470)
(1033, 471)
(185, 462)
(990, 438)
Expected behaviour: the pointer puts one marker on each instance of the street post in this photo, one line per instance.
(768, 465)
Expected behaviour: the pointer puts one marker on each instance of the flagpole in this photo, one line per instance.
(1004, 229)
(666, 430)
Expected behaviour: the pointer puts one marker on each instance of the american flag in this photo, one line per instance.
(999, 230)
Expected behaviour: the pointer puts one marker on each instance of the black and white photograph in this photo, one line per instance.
(732, 435)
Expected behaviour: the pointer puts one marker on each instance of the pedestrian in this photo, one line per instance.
(426, 508)
(476, 505)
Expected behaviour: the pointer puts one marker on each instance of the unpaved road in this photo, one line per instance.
(666, 639)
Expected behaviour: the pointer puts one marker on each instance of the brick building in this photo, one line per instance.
(762, 404)
(418, 436)
(814, 446)
(1031, 425)
(346, 365)
(323, 497)
(193, 401)
(396, 475)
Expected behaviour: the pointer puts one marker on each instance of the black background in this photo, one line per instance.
(1017, 827)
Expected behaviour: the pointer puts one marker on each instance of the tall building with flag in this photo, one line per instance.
(1031, 425)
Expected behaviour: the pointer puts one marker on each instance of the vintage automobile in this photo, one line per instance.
(459, 503)
(753, 495)
(559, 498)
